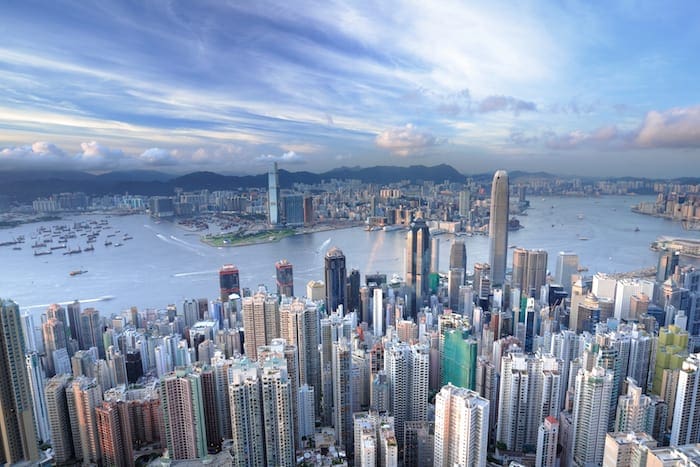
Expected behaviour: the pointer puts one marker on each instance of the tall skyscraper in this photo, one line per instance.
(417, 264)
(17, 433)
(277, 406)
(530, 390)
(461, 427)
(91, 331)
(229, 281)
(59, 418)
(529, 271)
(87, 394)
(293, 210)
(547, 436)
(458, 255)
(435, 255)
(336, 287)
(273, 196)
(353, 297)
(115, 434)
(686, 414)
(498, 227)
(594, 389)
(246, 414)
(342, 394)
(183, 415)
(285, 278)
(260, 321)
(567, 265)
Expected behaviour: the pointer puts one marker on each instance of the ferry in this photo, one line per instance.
(77, 272)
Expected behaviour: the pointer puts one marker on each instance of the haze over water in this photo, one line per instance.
(165, 264)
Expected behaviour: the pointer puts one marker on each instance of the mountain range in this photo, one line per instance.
(28, 185)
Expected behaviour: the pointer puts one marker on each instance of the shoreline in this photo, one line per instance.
(276, 239)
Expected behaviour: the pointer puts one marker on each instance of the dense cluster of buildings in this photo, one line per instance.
(442, 367)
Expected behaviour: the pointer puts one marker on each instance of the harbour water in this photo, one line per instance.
(165, 264)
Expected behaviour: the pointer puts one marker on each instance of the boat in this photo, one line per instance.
(584, 238)
(579, 216)
(42, 253)
(636, 229)
(128, 237)
(16, 247)
(89, 248)
(77, 272)
(107, 243)
(73, 252)
(118, 244)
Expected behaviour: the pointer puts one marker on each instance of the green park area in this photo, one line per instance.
(247, 238)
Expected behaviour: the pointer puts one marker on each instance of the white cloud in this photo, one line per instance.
(674, 128)
(289, 157)
(405, 141)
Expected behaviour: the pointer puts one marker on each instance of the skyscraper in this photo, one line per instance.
(260, 321)
(115, 434)
(273, 196)
(91, 331)
(247, 426)
(342, 394)
(87, 394)
(17, 432)
(461, 427)
(530, 390)
(686, 414)
(417, 264)
(498, 227)
(183, 415)
(567, 264)
(59, 419)
(591, 413)
(529, 271)
(547, 436)
(285, 278)
(229, 281)
(336, 287)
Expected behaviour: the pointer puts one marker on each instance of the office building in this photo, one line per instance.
(464, 204)
(285, 278)
(229, 283)
(435, 255)
(686, 415)
(91, 331)
(183, 415)
(273, 196)
(461, 428)
(417, 264)
(498, 228)
(567, 265)
(19, 438)
(591, 413)
(529, 271)
(293, 210)
(335, 274)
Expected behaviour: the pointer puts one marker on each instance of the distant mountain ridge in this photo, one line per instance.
(28, 185)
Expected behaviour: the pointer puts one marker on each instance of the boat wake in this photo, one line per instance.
(103, 298)
(195, 273)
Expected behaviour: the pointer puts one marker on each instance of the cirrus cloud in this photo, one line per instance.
(289, 157)
(406, 140)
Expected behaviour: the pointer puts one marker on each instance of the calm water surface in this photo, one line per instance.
(165, 264)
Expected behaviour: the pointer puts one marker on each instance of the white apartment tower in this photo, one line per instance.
(461, 427)
(686, 413)
(547, 436)
(529, 392)
(594, 390)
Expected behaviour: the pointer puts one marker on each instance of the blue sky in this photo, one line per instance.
(573, 87)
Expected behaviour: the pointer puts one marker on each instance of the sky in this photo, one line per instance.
(571, 87)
